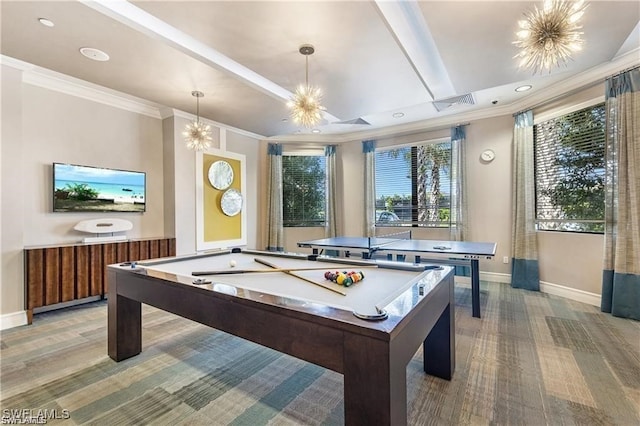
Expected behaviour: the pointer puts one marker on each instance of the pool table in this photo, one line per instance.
(414, 305)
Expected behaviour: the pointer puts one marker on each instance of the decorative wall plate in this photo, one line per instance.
(231, 202)
(220, 175)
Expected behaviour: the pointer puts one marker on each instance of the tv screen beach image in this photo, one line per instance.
(85, 188)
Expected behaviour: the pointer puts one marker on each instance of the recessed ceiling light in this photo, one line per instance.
(523, 88)
(398, 114)
(46, 22)
(315, 131)
(95, 54)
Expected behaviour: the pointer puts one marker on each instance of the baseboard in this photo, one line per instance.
(545, 287)
(14, 319)
(571, 293)
(494, 277)
(62, 305)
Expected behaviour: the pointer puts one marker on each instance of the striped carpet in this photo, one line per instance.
(533, 359)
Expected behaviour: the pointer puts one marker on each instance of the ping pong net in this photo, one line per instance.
(379, 241)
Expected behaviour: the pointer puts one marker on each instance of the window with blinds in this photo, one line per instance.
(303, 190)
(569, 171)
(413, 185)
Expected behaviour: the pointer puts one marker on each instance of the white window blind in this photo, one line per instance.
(413, 185)
(569, 171)
(303, 190)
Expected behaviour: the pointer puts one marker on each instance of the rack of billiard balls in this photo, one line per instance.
(344, 278)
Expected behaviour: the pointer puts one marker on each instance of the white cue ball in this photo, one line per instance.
(232, 263)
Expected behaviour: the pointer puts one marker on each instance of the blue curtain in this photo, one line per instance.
(621, 271)
(330, 205)
(459, 219)
(369, 150)
(275, 229)
(525, 272)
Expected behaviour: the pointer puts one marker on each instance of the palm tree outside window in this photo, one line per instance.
(413, 185)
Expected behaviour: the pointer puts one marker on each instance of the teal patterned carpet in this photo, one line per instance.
(533, 359)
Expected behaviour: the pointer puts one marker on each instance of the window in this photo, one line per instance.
(303, 190)
(413, 185)
(569, 171)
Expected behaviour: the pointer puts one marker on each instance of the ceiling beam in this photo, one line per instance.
(406, 21)
(142, 21)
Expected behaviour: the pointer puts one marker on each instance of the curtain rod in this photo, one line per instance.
(633, 67)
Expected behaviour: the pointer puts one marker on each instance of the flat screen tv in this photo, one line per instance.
(96, 189)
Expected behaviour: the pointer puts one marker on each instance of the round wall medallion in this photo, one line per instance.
(231, 202)
(220, 175)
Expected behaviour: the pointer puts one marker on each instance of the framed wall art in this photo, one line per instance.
(221, 221)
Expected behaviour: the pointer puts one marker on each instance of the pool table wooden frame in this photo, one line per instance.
(372, 355)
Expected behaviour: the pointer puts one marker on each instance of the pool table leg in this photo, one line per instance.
(124, 338)
(375, 386)
(439, 348)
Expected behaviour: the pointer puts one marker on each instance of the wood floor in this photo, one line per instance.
(533, 359)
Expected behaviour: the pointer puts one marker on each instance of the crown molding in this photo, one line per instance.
(182, 114)
(52, 80)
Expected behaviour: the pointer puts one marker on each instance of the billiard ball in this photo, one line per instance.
(232, 263)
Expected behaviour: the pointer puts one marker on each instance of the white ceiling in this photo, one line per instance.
(372, 59)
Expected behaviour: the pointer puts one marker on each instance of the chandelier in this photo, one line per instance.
(549, 36)
(305, 104)
(197, 134)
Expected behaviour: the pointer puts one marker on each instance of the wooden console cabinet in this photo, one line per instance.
(65, 273)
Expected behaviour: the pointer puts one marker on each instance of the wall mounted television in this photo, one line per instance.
(97, 189)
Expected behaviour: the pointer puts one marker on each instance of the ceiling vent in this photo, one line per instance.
(354, 121)
(443, 104)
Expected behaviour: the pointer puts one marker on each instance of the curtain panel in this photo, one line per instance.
(458, 230)
(275, 230)
(330, 216)
(621, 269)
(525, 272)
(369, 150)
(459, 217)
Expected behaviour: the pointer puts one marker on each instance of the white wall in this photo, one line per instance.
(248, 146)
(182, 200)
(11, 272)
(61, 128)
(41, 126)
(489, 188)
(181, 189)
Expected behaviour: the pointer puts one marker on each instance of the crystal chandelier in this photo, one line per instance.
(305, 104)
(197, 134)
(549, 36)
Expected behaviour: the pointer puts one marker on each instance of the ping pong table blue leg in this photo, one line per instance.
(475, 288)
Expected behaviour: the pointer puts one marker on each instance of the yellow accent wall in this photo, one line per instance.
(217, 225)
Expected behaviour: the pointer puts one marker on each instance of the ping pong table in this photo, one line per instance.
(459, 253)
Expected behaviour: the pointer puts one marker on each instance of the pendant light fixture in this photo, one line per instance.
(197, 134)
(550, 35)
(305, 104)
